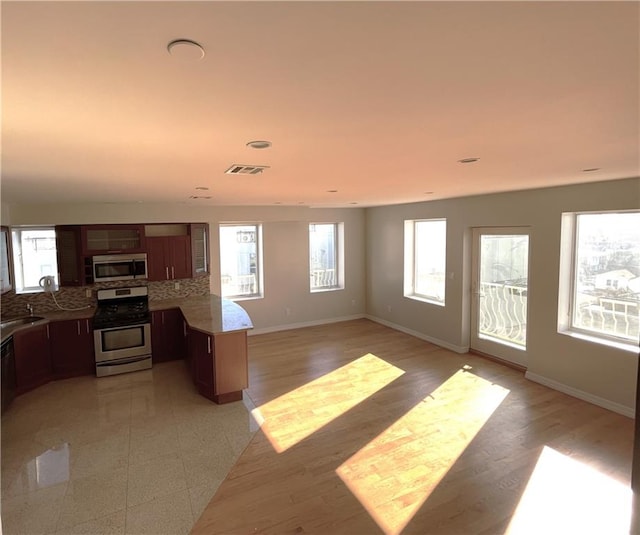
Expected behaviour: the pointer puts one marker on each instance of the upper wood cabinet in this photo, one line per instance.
(68, 248)
(199, 248)
(168, 249)
(112, 239)
(168, 257)
(6, 260)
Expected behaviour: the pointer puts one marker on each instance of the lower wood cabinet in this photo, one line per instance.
(218, 364)
(72, 348)
(33, 358)
(167, 335)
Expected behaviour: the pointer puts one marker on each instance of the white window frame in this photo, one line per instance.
(18, 267)
(410, 265)
(567, 286)
(259, 293)
(338, 242)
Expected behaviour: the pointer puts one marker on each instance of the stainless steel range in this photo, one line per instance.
(122, 331)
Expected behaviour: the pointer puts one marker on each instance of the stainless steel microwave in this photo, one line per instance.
(119, 267)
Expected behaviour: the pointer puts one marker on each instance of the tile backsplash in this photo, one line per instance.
(70, 297)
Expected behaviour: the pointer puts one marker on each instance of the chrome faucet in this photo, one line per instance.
(30, 309)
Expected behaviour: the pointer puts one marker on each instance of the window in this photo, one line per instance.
(241, 260)
(600, 275)
(425, 248)
(325, 256)
(34, 256)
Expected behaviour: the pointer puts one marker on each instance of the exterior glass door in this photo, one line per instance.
(500, 293)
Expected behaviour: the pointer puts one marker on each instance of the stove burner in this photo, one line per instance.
(117, 312)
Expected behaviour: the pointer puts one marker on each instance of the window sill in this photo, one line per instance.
(322, 290)
(30, 291)
(425, 300)
(243, 297)
(624, 346)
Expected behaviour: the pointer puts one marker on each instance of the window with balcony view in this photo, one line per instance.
(604, 300)
(34, 256)
(325, 256)
(241, 260)
(425, 250)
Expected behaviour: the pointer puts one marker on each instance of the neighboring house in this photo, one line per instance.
(614, 280)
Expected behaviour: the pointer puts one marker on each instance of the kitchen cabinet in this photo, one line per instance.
(199, 249)
(68, 246)
(112, 239)
(201, 365)
(72, 348)
(167, 335)
(168, 257)
(6, 260)
(218, 364)
(33, 358)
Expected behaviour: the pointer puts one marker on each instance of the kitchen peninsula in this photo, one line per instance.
(209, 332)
(216, 334)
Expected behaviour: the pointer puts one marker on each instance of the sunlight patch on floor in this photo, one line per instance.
(395, 473)
(295, 415)
(564, 495)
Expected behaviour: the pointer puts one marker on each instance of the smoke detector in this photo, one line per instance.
(239, 169)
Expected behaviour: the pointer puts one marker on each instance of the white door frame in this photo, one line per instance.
(505, 351)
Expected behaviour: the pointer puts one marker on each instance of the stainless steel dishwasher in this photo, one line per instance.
(8, 370)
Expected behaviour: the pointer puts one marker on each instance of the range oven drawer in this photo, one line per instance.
(125, 365)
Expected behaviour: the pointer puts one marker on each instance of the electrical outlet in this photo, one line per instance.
(388, 308)
(287, 311)
(353, 302)
(176, 286)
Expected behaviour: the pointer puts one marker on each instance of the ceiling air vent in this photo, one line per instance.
(238, 169)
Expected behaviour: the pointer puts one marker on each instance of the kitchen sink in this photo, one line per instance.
(15, 322)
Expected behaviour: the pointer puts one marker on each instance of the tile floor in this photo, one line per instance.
(135, 453)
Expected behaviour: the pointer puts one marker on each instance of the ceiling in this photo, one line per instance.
(365, 103)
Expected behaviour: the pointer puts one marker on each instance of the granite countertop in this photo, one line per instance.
(46, 317)
(210, 314)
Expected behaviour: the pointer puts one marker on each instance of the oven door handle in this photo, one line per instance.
(123, 327)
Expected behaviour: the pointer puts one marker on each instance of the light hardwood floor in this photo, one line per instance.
(367, 430)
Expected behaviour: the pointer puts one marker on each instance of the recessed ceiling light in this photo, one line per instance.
(353, 203)
(203, 188)
(590, 169)
(185, 49)
(332, 191)
(428, 192)
(259, 144)
(468, 160)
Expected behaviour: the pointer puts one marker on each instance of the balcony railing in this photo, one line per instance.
(239, 285)
(503, 312)
(616, 317)
(323, 278)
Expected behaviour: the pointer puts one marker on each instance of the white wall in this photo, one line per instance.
(5, 214)
(599, 373)
(286, 256)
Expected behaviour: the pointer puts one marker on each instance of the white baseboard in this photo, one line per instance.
(422, 336)
(581, 394)
(302, 324)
